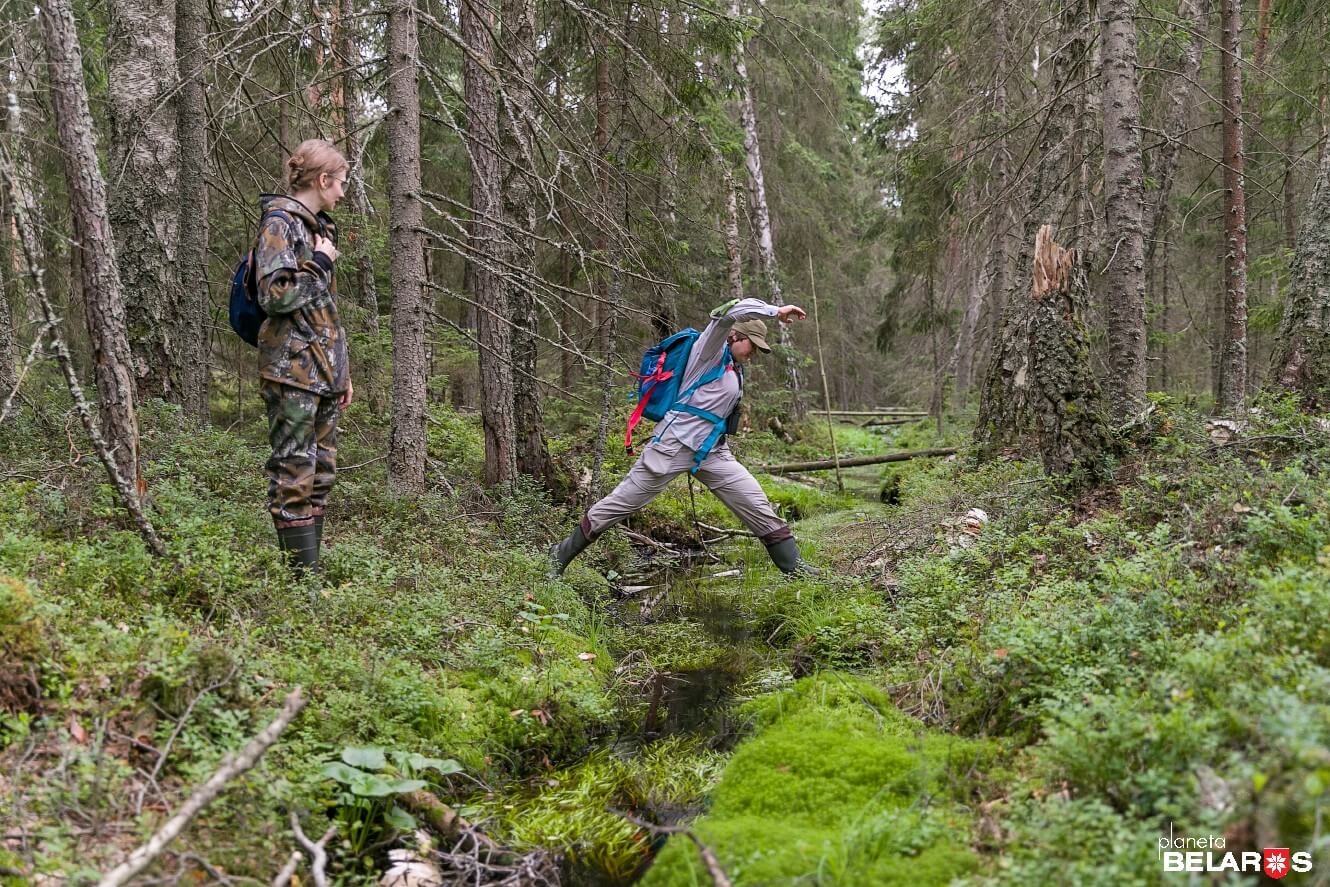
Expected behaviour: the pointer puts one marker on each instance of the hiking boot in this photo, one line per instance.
(562, 553)
(301, 545)
(785, 554)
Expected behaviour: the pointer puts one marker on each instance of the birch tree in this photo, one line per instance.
(766, 245)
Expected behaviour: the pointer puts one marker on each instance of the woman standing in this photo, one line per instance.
(303, 367)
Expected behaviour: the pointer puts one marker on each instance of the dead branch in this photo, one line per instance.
(33, 351)
(231, 768)
(709, 858)
(825, 464)
(288, 871)
(445, 821)
(1052, 264)
(317, 853)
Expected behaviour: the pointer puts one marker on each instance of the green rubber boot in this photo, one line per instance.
(301, 545)
(785, 554)
(562, 554)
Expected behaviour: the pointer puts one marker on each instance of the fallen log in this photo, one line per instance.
(889, 420)
(888, 411)
(856, 461)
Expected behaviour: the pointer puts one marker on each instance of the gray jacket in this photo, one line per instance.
(719, 396)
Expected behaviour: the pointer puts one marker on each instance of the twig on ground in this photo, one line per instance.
(284, 876)
(709, 858)
(318, 855)
(230, 769)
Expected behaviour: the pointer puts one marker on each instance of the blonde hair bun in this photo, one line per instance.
(311, 159)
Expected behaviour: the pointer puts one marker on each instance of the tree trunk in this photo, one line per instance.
(192, 253)
(1302, 348)
(487, 246)
(1289, 194)
(100, 281)
(609, 242)
(1233, 363)
(1195, 15)
(962, 356)
(145, 203)
(734, 274)
(1040, 394)
(766, 246)
(519, 171)
(406, 256)
(1124, 181)
(1001, 232)
(1262, 35)
(358, 248)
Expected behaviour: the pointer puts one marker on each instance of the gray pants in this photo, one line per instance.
(663, 461)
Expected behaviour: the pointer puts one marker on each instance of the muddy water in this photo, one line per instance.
(696, 699)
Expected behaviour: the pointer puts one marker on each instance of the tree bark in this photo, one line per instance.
(191, 36)
(406, 256)
(962, 355)
(734, 266)
(1001, 232)
(145, 202)
(103, 300)
(1040, 395)
(1301, 361)
(1124, 181)
(518, 139)
(487, 245)
(1233, 362)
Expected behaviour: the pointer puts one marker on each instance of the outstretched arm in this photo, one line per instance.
(712, 341)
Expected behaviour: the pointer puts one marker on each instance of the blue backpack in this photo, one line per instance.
(247, 315)
(658, 379)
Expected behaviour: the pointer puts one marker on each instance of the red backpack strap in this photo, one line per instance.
(654, 378)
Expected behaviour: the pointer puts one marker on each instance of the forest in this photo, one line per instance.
(977, 531)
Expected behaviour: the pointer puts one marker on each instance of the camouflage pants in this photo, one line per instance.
(302, 429)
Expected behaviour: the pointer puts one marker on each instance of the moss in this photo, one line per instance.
(828, 789)
(574, 810)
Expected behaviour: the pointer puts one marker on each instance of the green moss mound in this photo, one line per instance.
(838, 787)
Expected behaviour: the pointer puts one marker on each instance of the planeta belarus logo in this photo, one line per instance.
(1275, 862)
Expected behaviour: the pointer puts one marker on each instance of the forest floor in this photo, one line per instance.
(1037, 698)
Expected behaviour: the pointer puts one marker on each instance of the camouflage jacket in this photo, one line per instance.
(302, 343)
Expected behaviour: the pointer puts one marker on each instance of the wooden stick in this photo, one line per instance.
(283, 878)
(857, 461)
(33, 351)
(822, 366)
(231, 768)
(318, 855)
(885, 411)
